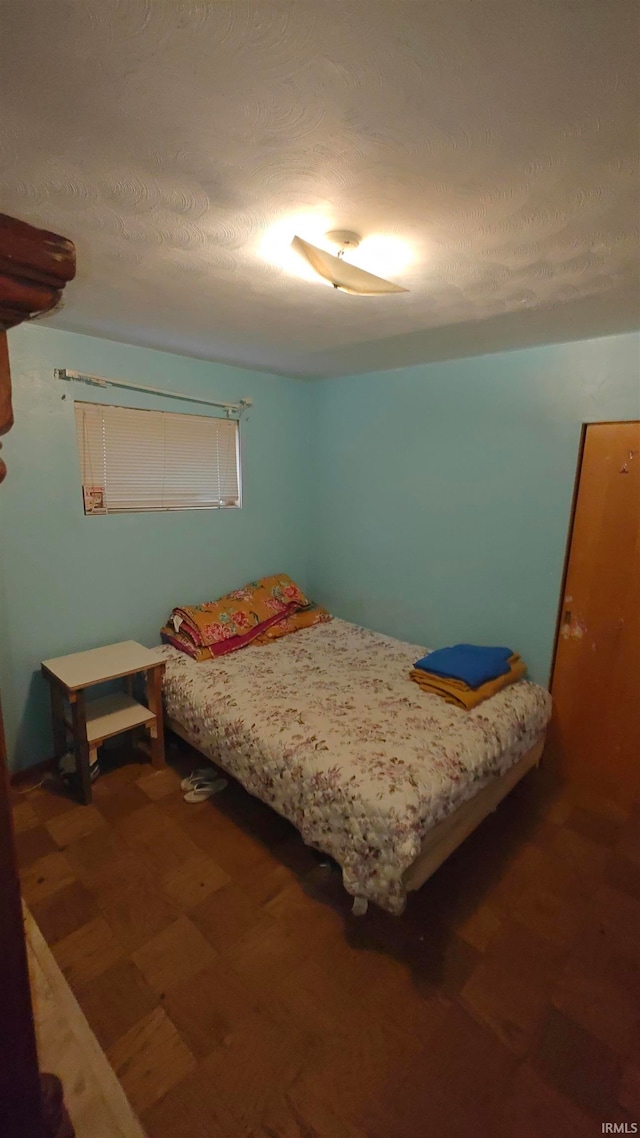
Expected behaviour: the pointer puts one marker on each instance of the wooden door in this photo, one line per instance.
(595, 735)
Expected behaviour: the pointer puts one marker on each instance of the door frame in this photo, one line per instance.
(567, 551)
(20, 1096)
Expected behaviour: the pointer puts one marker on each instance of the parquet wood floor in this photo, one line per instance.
(219, 966)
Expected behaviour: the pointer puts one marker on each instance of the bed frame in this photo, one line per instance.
(447, 835)
(444, 838)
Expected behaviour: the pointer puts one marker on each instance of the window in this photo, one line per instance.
(155, 460)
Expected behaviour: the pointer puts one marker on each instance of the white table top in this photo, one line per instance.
(82, 669)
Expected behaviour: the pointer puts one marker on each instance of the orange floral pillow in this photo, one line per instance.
(276, 592)
(241, 615)
(306, 618)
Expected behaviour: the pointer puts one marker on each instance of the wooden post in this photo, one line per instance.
(57, 719)
(154, 699)
(81, 743)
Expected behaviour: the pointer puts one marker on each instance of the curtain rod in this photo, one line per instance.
(97, 381)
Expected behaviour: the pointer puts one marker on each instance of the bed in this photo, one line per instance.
(326, 727)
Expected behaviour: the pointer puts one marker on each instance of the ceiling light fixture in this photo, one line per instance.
(340, 273)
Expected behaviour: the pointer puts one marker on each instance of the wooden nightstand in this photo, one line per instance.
(90, 722)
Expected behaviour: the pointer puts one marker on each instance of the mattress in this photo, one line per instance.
(327, 728)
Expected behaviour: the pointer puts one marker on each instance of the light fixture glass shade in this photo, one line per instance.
(341, 274)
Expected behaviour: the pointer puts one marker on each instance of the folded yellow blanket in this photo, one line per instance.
(460, 694)
(449, 683)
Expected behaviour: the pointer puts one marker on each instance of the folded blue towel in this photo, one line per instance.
(471, 663)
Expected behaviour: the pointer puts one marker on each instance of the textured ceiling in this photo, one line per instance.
(180, 145)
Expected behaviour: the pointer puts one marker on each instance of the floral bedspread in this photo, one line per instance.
(326, 727)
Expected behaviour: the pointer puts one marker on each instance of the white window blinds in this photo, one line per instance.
(155, 460)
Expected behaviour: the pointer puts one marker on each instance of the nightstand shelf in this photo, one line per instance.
(90, 722)
(112, 714)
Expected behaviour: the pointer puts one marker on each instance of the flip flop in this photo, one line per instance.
(207, 774)
(205, 789)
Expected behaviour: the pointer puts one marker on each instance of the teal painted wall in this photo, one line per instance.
(442, 493)
(430, 503)
(72, 582)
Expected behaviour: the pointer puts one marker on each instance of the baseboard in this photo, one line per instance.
(32, 774)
